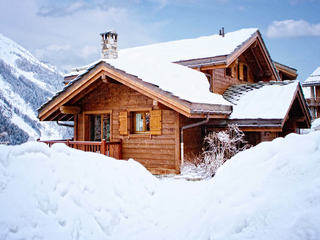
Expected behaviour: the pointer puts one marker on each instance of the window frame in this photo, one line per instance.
(144, 119)
(86, 124)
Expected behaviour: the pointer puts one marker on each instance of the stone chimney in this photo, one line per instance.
(109, 44)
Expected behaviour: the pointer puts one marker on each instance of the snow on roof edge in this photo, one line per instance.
(270, 101)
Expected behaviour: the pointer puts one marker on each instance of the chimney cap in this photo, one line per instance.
(112, 32)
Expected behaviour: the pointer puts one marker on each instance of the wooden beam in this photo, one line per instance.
(70, 109)
(85, 92)
(68, 94)
(213, 67)
(104, 79)
(255, 57)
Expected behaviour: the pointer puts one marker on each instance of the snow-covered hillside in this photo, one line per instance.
(25, 84)
(271, 191)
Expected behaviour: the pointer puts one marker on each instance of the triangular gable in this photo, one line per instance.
(256, 42)
(257, 48)
(85, 82)
(299, 98)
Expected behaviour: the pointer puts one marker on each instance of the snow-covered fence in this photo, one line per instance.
(110, 149)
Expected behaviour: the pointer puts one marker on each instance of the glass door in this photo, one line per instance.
(100, 127)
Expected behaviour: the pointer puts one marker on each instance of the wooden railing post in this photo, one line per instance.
(103, 147)
(120, 150)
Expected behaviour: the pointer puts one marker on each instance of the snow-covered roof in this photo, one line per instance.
(306, 92)
(181, 81)
(153, 64)
(202, 47)
(314, 77)
(170, 79)
(263, 100)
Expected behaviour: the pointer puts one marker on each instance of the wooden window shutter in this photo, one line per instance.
(155, 122)
(241, 71)
(123, 123)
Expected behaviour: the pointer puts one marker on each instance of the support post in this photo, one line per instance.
(120, 149)
(103, 147)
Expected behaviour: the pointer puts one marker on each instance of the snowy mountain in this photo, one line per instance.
(25, 84)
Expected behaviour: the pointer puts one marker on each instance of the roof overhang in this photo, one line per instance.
(290, 72)
(51, 110)
(311, 84)
(250, 125)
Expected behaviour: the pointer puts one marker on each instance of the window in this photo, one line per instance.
(138, 122)
(228, 72)
(245, 73)
(99, 127)
(141, 122)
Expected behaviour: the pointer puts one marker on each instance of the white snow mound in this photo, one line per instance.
(62, 193)
(271, 191)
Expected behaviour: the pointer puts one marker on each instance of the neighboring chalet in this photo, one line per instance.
(159, 101)
(311, 88)
(285, 72)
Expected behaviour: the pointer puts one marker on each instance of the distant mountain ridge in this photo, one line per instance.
(25, 84)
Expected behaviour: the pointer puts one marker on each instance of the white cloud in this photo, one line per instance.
(89, 50)
(71, 37)
(62, 10)
(292, 28)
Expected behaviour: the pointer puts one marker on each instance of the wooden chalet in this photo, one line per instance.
(312, 93)
(156, 103)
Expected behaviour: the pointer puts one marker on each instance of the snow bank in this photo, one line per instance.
(62, 193)
(315, 124)
(271, 191)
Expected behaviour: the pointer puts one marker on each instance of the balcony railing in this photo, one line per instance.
(313, 102)
(110, 149)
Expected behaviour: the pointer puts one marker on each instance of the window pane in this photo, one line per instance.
(95, 128)
(106, 127)
(139, 122)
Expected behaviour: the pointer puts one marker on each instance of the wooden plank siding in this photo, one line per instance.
(220, 81)
(192, 138)
(158, 153)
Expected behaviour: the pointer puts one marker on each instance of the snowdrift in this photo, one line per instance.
(271, 191)
(62, 193)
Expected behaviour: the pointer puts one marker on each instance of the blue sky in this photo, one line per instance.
(66, 32)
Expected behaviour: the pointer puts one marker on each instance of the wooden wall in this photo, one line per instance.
(193, 138)
(220, 81)
(160, 154)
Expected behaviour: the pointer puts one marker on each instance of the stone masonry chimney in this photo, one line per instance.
(109, 44)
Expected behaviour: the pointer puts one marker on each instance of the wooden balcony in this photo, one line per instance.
(313, 102)
(110, 149)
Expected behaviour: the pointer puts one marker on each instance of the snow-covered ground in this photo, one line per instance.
(271, 191)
